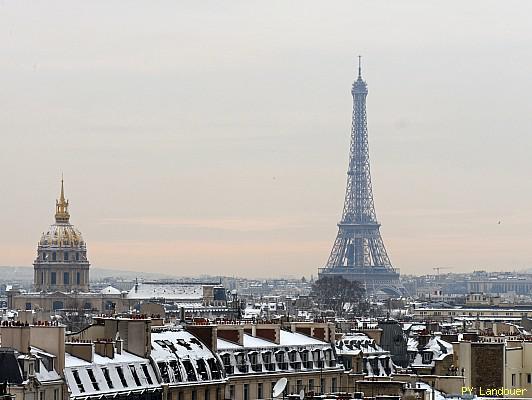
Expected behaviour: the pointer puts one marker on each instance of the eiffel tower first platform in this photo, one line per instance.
(358, 253)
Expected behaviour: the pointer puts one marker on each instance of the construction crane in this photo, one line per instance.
(437, 269)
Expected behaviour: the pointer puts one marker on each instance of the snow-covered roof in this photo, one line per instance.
(181, 357)
(298, 339)
(110, 290)
(44, 374)
(227, 345)
(358, 342)
(250, 341)
(170, 291)
(123, 372)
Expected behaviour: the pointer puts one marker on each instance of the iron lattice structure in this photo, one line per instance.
(358, 252)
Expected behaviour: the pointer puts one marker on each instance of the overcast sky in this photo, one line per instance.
(212, 136)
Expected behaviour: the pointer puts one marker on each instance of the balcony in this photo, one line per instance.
(243, 368)
(229, 369)
(269, 366)
(295, 365)
(282, 366)
(256, 367)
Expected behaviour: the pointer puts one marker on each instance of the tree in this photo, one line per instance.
(339, 294)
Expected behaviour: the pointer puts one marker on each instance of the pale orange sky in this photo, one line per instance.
(212, 137)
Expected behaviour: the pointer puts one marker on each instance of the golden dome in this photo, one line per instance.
(62, 234)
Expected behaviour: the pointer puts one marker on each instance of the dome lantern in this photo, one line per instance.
(61, 207)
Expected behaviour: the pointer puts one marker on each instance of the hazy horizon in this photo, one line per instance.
(212, 138)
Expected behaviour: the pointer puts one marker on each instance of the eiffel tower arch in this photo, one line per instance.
(358, 252)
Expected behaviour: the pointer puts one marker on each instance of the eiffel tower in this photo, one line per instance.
(358, 253)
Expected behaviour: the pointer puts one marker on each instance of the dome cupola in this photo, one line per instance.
(61, 262)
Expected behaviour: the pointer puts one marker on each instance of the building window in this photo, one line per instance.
(56, 394)
(54, 256)
(77, 256)
(65, 278)
(121, 376)
(93, 379)
(529, 378)
(75, 374)
(135, 375)
(260, 391)
(513, 379)
(246, 391)
(53, 278)
(107, 377)
(322, 386)
(311, 385)
(334, 388)
(28, 306)
(232, 392)
(194, 395)
(65, 256)
(78, 278)
(207, 394)
(147, 374)
(42, 395)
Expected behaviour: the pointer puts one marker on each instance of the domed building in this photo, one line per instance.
(61, 263)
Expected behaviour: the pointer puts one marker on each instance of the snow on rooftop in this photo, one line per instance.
(169, 343)
(250, 341)
(227, 345)
(123, 372)
(123, 358)
(172, 291)
(298, 339)
(110, 290)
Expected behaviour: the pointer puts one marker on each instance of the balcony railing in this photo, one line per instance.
(295, 365)
(269, 366)
(282, 365)
(256, 367)
(229, 369)
(243, 367)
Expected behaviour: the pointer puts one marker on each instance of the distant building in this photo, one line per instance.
(61, 262)
(61, 280)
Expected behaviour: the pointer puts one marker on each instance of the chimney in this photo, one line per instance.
(83, 350)
(233, 332)
(104, 348)
(271, 332)
(119, 343)
(15, 335)
(207, 334)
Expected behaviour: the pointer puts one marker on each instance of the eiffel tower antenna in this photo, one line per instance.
(358, 253)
